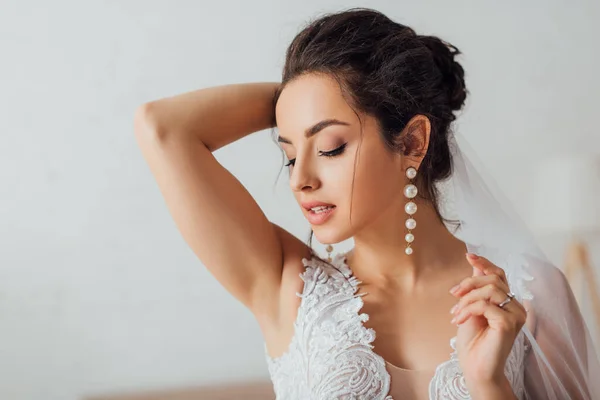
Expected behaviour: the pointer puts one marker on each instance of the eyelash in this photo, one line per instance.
(332, 153)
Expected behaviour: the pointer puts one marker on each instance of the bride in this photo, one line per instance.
(423, 306)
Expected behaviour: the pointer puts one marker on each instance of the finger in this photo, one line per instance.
(474, 282)
(478, 272)
(490, 293)
(517, 306)
(486, 266)
(497, 318)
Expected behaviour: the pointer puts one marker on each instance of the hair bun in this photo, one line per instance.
(452, 72)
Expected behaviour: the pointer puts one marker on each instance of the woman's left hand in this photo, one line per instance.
(486, 332)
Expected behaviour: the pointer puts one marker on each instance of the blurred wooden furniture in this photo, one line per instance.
(231, 391)
(566, 196)
(578, 262)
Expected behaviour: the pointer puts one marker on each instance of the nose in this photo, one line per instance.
(302, 177)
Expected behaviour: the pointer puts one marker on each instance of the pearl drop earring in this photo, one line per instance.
(410, 191)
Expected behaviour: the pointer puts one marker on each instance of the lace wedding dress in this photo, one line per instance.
(330, 355)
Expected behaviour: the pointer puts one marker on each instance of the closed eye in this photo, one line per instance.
(332, 153)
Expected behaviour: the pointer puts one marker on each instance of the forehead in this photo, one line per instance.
(309, 99)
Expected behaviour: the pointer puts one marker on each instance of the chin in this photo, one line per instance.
(329, 234)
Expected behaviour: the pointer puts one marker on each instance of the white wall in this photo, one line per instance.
(98, 291)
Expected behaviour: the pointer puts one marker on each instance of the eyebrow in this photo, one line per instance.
(316, 128)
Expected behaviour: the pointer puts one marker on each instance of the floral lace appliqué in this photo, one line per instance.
(331, 353)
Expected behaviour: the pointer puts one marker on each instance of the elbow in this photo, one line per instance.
(144, 122)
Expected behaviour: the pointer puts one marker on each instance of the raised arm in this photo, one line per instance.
(216, 215)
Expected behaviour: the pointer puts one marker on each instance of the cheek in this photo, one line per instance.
(337, 178)
(377, 184)
(374, 188)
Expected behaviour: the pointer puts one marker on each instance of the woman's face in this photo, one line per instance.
(379, 180)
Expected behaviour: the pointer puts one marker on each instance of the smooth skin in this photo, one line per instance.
(346, 164)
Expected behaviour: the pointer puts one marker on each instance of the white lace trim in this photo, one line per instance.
(330, 355)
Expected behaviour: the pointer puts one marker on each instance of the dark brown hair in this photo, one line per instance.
(386, 70)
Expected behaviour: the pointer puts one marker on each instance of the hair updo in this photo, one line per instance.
(386, 70)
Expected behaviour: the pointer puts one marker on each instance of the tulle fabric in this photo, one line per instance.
(562, 363)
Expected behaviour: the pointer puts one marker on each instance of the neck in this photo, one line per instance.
(379, 257)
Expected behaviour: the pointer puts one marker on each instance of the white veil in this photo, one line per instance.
(560, 361)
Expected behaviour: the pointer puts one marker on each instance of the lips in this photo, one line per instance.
(318, 218)
(312, 204)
